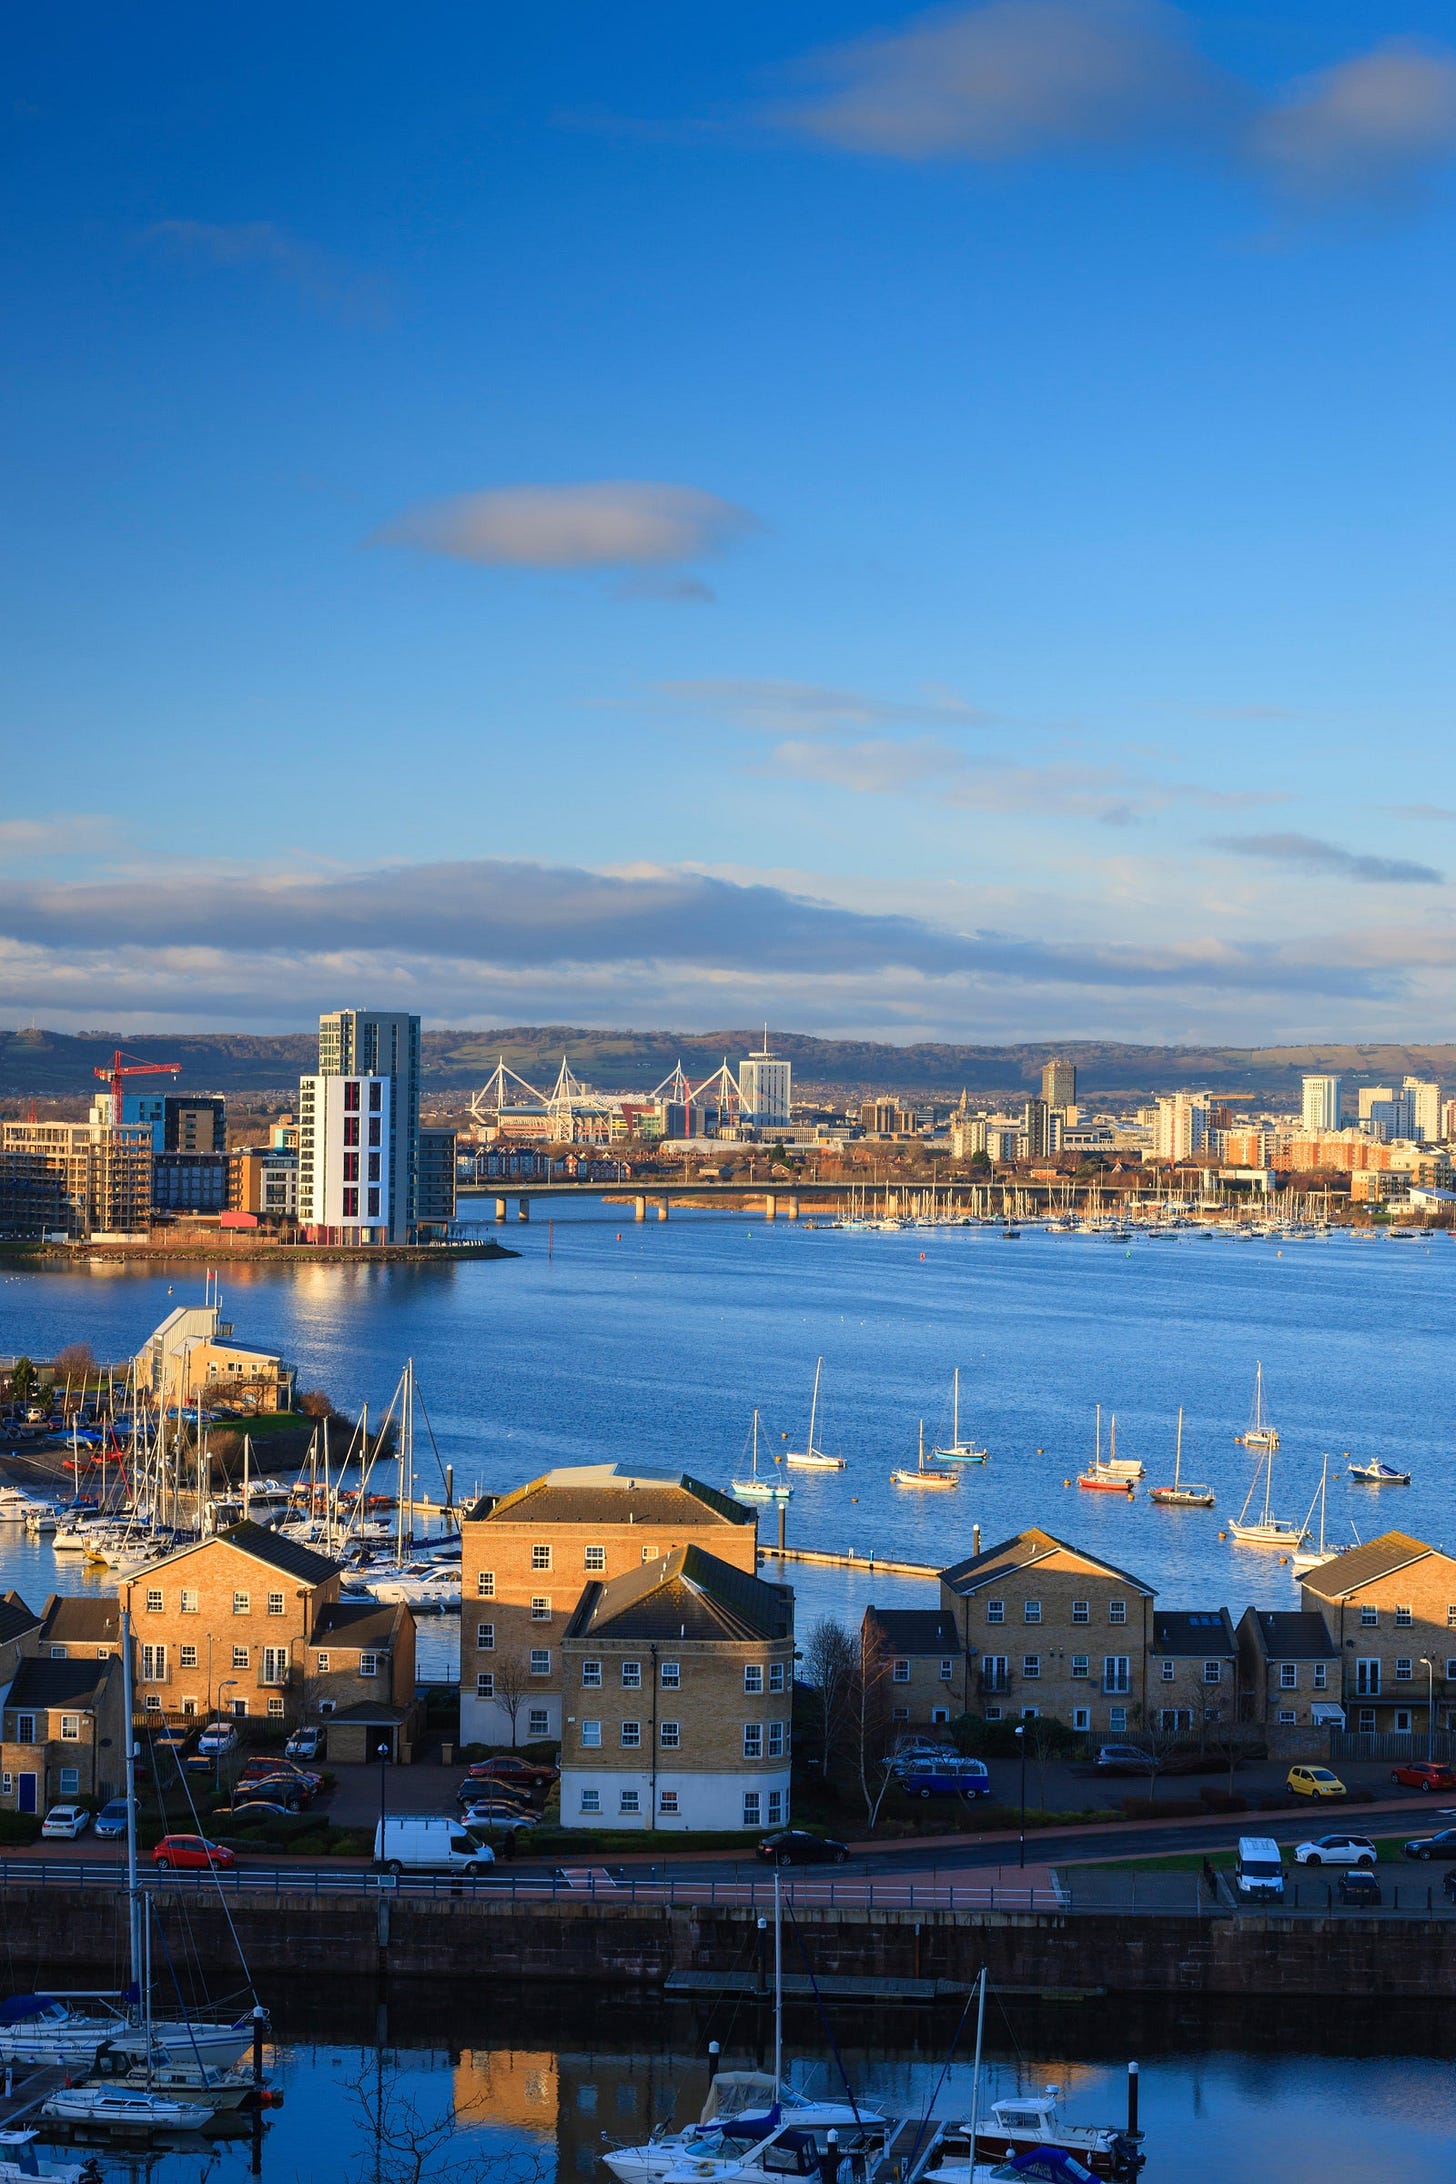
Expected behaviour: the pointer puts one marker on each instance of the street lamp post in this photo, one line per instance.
(382, 1752)
(1021, 1747)
(226, 1685)
(1429, 1668)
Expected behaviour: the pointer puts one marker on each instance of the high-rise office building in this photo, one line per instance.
(1059, 1084)
(766, 1086)
(379, 1043)
(1321, 1103)
(1425, 1098)
(1182, 1125)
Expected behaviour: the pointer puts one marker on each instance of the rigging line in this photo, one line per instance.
(823, 2013)
(940, 2081)
(434, 1444)
(216, 1879)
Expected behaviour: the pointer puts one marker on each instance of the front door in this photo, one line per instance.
(26, 1785)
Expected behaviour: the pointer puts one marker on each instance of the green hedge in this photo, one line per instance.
(19, 1827)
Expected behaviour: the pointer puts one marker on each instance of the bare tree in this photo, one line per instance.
(512, 1683)
(76, 1361)
(403, 2142)
(872, 1718)
(831, 1663)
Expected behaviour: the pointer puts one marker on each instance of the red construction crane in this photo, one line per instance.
(121, 1067)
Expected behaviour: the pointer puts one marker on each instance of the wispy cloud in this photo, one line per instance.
(1008, 78)
(60, 834)
(1443, 813)
(327, 283)
(773, 706)
(633, 524)
(1368, 127)
(1307, 853)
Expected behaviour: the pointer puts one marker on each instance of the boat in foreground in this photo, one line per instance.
(126, 2110)
(1266, 1530)
(19, 2163)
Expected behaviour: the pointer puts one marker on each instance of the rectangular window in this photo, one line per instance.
(591, 1735)
(187, 1656)
(1321, 1676)
(540, 1660)
(752, 1808)
(485, 1683)
(275, 1708)
(1116, 1674)
(70, 1781)
(993, 1713)
(376, 1097)
(240, 1656)
(1031, 1611)
(775, 1808)
(541, 1555)
(631, 1675)
(369, 1663)
(753, 1676)
(190, 1603)
(900, 1673)
(373, 1205)
(151, 1703)
(242, 1603)
(1169, 1670)
(1213, 1671)
(1288, 1676)
(594, 1558)
(1117, 1718)
(1081, 1611)
(899, 1713)
(671, 1673)
(1367, 1679)
(275, 1603)
(1369, 1618)
(995, 1611)
(374, 1133)
(753, 1740)
(669, 1735)
(1081, 1717)
(351, 1167)
(154, 1666)
(667, 1804)
(1031, 1665)
(541, 1607)
(649, 1554)
(776, 1739)
(351, 1098)
(1287, 1717)
(485, 1637)
(591, 1675)
(240, 1709)
(630, 1801)
(1402, 1618)
(376, 1168)
(351, 1205)
(776, 1675)
(70, 1728)
(947, 1670)
(538, 1723)
(154, 1600)
(485, 1584)
(631, 1735)
(1403, 1669)
(351, 1129)
(1117, 1611)
(275, 1664)
(323, 1664)
(1080, 1664)
(591, 1800)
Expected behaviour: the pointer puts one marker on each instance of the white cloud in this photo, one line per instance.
(777, 707)
(1366, 127)
(1307, 853)
(611, 523)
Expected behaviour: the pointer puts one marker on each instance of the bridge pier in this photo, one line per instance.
(770, 1206)
(794, 1207)
(523, 1209)
(639, 1209)
(662, 1209)
(500, 1211)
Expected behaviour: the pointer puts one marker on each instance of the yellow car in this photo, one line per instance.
(1314, 1782)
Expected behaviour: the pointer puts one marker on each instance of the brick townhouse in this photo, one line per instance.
(61, 1728)
(527, 1556)
(679, 1681)
(1046, 1628)
(1289, 1678)
(251, 1624)
(923, 1649)
(1391, 1611)
(1193, 1670)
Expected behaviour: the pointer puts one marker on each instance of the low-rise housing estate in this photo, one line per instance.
(1391, 1610)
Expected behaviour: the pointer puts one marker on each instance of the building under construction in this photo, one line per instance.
(76, 1179)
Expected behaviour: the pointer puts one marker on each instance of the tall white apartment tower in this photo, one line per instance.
(1425, 1099)
(766, 1085)
(1321, 1103)
(383, 1043)
(344, 1183)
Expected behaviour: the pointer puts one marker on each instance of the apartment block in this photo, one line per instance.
(1059, 1085)
(61, 1732)
(1048, 1629)
(527, 1558)
(347, 1167)
(86, 1178)
(251, 1624)
(1321, 1104)
(380, 1043)
(1192, 1674)
(1289, 1671)
(922, 1647)
(1390, 1607)
(434, 1181)
(766, 1083)
(679, 1682)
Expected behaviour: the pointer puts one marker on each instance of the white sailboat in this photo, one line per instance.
(754, 1488)
(1260, 1433)
(1307, 1557)
(920, 1476)
(1266, 1530)
(958, 1451)
(811, 1457)
(1179, 1496)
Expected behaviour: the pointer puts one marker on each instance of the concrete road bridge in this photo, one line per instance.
(775, 1201)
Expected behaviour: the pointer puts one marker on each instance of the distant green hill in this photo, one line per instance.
(61, 1063)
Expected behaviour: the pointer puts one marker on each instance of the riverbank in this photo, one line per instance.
(243, 1247)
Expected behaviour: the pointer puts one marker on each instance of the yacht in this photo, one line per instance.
(755, 1488)
(1260, 1433)
(1266, 1530)
(1179, 1495)
(811, 1457)
(920, 1476)
(958, 1451)
(1375, 1473)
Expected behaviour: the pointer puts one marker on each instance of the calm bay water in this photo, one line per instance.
(652, 1344)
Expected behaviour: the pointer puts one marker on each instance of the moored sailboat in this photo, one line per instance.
(811, 1457)
(1260, 1433)
(754, 1488)
(1112, 1476)
(920, 1476)
(1265, 1530)
(1179, 1496)
(958, 1451)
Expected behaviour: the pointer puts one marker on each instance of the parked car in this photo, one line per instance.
(217, 1739)
(1425, 1847)
(66, 1822)
(483, 1791)
(796, 1846)
(497, 1819)
(1347, 1850)
(190, 1853)
(932, 1777)
(283, 1789)
(916, 1748)
(1424, 1774)
(249, 1811)
(530, 1773)
(1121, 1759)
(173, 1737)
(304, 1744)
(1313, 1782)
(111, 1820)
(1359, 1885)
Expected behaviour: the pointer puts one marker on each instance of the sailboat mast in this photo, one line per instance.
(778, 2069)
(1178, 1451)
(1098, 1457)
(133, 1893)
(955, 1408)
(814, 1403)
(976, 2074)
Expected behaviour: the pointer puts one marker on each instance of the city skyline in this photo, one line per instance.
(922, 525)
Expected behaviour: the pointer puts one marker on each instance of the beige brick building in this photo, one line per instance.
(1391, 1611)
(527, 1556)
(1289, 1677)
(923, 1649)
(60, 1710)
(679, 1684)
(1047, 1629)
(251, 1624)
(1193, 1671)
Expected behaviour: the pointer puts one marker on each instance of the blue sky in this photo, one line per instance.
(936, 524)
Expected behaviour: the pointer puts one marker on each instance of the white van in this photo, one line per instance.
(416, 1844)
(1261, 1869)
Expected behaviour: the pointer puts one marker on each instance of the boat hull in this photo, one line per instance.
(805, 1460)
(1266, 1535)
(1183, 1497)
(73, 2044)
(1089, 1485)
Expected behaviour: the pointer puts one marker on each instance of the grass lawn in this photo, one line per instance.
(1387, 1852)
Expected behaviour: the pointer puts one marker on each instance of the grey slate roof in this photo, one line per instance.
(1346, 1573)
(1292, 1634)
(910, 1631)
(557, 1498)
(1022, 1551)
(687, 1594)
(81, 1619)
(42, 1684)
(363, 1623)
(1204, 1634)
(15, 1617)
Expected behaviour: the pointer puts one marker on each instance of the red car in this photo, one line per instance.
(526, 1774)
(1424, 1774)
(190, 1851)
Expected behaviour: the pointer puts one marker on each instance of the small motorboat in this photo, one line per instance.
(19, 2163)
(745, 2105)
(126, 2110)
(1031, 2125)
(1376, 1473)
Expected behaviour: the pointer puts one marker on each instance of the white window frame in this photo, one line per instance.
(485, 1584)
(753, 1740)
(485, 1637)
(541, 1554)
(591, 1736)
(753, 1678)
(631, 1675)
(591, 1675)
(540, 1660)
(594, 1558)
(630, 1736)
(669, 1735)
